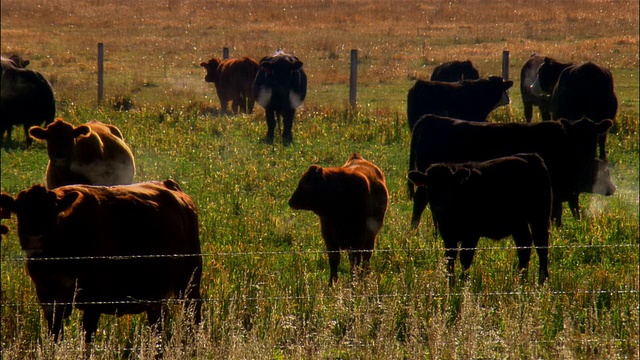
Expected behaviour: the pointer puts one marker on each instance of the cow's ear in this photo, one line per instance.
(507, 84)
(203, 64)
(67, 200)
(417, 177)
(81, 130)
(565, 123)
(6, 205)
(604, 126)
(547, 60)
(38, 133)
(461, 175)
(297, 65)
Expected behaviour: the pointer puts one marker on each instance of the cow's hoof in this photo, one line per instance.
(267, 140)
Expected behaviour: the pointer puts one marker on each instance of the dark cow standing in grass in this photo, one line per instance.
(453, 71)
(280, 88)
(351, 202)
(233, 79)
(19, 61)
(471, 100)
(92, 154)
(89, 247)
(496, 198)
(26, 97)
(567, 148)
(528, 75)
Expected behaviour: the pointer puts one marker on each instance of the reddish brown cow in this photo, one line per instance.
(233, 79)
(92, 154)
(351, 202)
(109, 250)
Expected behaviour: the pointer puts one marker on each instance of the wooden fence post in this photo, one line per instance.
(505, 64)
(225, 53)
(100, 72)
(353, 80)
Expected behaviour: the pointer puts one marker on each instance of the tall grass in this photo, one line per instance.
(265, 273)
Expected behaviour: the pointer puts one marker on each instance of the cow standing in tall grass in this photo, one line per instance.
(233, 79)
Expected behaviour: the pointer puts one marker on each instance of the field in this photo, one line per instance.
(265, 273)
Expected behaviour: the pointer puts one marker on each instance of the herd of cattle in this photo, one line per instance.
(480, 179)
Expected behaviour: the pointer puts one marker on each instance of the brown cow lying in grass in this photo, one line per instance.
(233, 79)
(351, 202)
(495, 198)
(92, 154)
(89, 246)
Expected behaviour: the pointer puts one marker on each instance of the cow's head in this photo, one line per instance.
(504, 85)
(19, 61)
(279, 70)
(308, 195)
(211, 66)
(596, 178)
(37, 210)
(61, 140)
(548, 75)
(442, 181)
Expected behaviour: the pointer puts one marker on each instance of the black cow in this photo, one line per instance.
(567, 148)
(528, 75)
(26, 98)
(280, 88)
(19, 61)
(496, 198)
(453, 71)
(471, 100)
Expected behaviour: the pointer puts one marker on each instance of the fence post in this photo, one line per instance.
(225, 53)
(505, 64)
(100, 72)
(353, 80)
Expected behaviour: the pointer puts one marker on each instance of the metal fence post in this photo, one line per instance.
(353, 80)
(100, 72)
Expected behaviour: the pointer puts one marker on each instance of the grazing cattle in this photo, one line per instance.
(92, 154)
(567, 148)
(351, 202)
(528, 75)
(280, 88)
(496, 198)
(471, 100)
(453, 71)
(26, 98)
(109, 250)
(233, 79)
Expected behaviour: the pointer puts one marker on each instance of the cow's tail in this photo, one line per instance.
(412, 160)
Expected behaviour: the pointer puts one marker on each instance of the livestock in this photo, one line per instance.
(26, 97)
(351, 202)
(280, 87)
(93, 153)
(471, 100)
(528, 75)
(109, 250)
(19, 61)
(495, 198)
(567, 148)
(453, 71)
(233, 79)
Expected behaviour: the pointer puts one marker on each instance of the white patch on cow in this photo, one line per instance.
(536, 89)
(264, 96)
(294, 100)
(105, 172)
(373, 224)
(504, 100)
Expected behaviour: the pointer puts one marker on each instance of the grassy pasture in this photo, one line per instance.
(265, 273)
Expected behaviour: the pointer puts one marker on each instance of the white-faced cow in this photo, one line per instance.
(351, 202)
(280, 88)
(233, 79)
(26, 97)
(496, 198)
(453, 71)
(528, 75)
(565, 146)
(471, 100)
(92, 154)
(109, 250)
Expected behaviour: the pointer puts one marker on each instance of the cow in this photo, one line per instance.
(351, 202)
(528, 75)
(233, 79)
(109, 250)
(495, 198)
(280, 87)
(19, 61)
(567, 148)
(93, 154)
(26, 97)
(471, 100)
(453, 71)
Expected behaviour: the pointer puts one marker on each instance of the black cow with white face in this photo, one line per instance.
(528, 76)
(280, 88)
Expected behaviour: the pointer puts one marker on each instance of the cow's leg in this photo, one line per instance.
(26, 134)
(467, 251)
(90, 320)
(528, 111)
(540, 235)
(271, 124)
(419, 204)
(236, 104)
(223, 105)
(450, 254)
(523, 240)
(602, 140)
(287, 122)
(545, 112)
(54, 315)
(556, 211)
(574, 206)
(156, 320)
(334, 261)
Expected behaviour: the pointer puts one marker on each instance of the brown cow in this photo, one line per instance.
(233, 79)
(351, 202)
(109, 250)
(92, 154)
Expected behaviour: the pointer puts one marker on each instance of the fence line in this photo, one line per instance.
(303, 252)
(332, 297)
